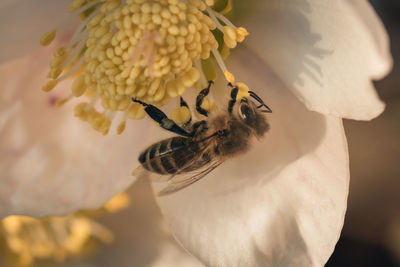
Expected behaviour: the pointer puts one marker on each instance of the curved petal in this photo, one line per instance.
(51, 163)
(23, 22)
(326, 52)
(281, 204)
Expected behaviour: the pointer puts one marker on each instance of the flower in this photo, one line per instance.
(56, 237)
(281, 204)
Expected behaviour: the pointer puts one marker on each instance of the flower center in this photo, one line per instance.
(150, 50)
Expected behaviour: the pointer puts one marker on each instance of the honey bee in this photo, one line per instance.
(202, 146)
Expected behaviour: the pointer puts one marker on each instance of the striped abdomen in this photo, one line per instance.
(172, 155)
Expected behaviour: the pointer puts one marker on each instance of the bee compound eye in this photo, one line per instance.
(245, 111)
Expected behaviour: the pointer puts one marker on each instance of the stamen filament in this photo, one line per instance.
(79, 32)
(75, 13)
(219, 60)
(224, 20)
(228, 75)
(75, 67)
(214, 18)
(140, 47)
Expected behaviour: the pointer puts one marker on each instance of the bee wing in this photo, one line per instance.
(184, 179)
(142, 172)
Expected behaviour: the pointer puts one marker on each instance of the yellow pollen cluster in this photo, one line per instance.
(149, 50)
(233, 36)
(51, 238)
(56, 238)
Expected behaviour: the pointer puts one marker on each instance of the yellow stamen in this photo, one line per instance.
(229, 36)
(78, 86)
(136, 111)
(117, 203)
(121, 127)
(55, 238)
(54, 73)
(49, 85)
(48, 37)
(149, 50)
(229, 76)
(61, 102)
(75, 4)
(241, 33)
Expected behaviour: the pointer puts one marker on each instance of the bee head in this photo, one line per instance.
(252, 114)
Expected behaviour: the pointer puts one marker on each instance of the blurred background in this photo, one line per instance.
(129, 230)
(371, 234)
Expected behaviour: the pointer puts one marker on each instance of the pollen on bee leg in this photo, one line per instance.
(180, 115)
(243, 90)
(208, 105)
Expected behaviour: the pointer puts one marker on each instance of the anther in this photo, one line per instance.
(129, 53)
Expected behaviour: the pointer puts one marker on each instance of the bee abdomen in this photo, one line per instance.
(169, 155)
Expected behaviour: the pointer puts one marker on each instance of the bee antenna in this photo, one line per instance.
(262, 104)
(256, 97)
(267, 111)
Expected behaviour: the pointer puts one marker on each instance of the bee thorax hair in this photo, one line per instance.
(236, 139)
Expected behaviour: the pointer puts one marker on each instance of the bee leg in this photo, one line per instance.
(199, 127)
(232, 102)
(162, 119)
(187, 124)
(199, 100)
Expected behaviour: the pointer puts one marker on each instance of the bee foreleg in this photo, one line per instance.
(199, 100)
(162, 119)
(187, 124)
(232, 102)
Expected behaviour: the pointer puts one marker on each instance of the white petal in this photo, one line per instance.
(51, 163)
(23, 22)
(327, 52)
(281, 204)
